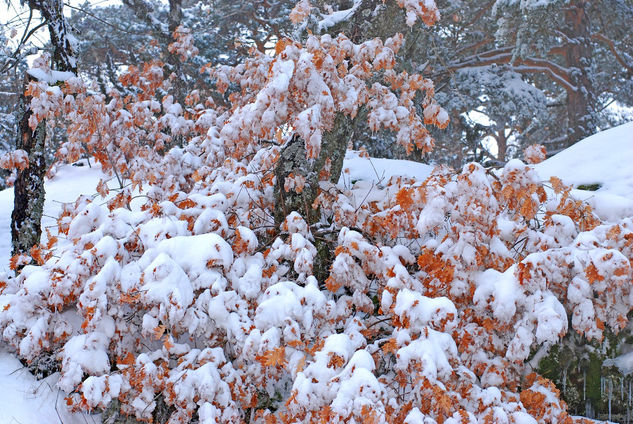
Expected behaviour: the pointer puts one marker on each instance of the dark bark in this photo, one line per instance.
(113, 415)
(63, 50)
(178, 77)
(28, 205)
(165, 36)
(502, 144)
(293, 160)
(581, 101)
(26, 227)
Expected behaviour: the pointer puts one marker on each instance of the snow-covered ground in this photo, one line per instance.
(24, 400)
(605, 159)
(357, 168)
(66, 186)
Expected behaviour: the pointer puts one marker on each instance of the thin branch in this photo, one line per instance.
(92, 15)
(611, 45)
(481, 13)
(528, 65)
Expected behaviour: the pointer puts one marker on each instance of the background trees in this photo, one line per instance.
(31, 138)
(563, 48)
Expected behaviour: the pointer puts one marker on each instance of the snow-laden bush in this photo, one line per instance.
(437, 290)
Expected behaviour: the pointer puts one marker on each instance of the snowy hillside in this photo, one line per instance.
(604, 162)
(24, 399)
(66, 186)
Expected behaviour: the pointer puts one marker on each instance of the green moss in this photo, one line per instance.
(549, 367)
(594, 370)
(589, 187)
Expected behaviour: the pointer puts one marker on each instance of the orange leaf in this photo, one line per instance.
(391, 346)
(273, 358)
(159, 331)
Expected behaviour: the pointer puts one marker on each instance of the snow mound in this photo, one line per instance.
(27, 400)
(378, 170)
(603, 161)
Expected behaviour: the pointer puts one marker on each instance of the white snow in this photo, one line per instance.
(27, 400)
(334, 18)
(606, 159)
(49, 76)
(378, 170)
(623, 362)
(24, 399)
(68, 184)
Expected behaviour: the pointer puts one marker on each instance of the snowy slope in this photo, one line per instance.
(605, 159)
(24, 400)
(377, 170)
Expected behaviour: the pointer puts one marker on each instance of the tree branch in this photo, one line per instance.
(504, 56)
(599, 37)
(92, 15)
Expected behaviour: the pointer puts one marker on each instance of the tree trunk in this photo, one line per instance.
(578, 52)
(28, 204)
(145, 12)
(502, 145)
(177, 74)
(293, 160)
(26, 219)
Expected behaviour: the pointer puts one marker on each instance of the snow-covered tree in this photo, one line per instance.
(244, 284)
(31, 140)
(571, 50)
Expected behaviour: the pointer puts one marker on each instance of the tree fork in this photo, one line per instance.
(293, 160)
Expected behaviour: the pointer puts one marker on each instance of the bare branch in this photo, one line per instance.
(600, 37)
